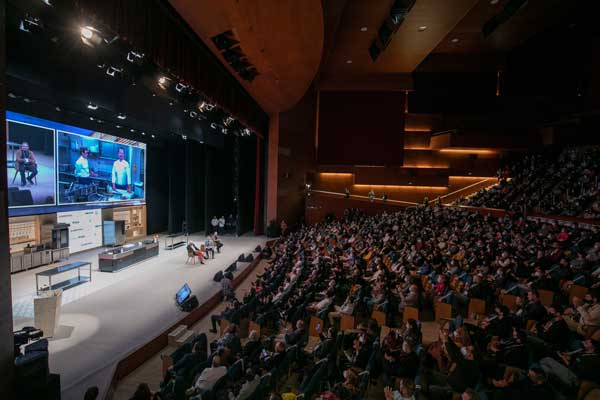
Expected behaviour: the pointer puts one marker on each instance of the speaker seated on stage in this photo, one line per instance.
(217, 241)
(209, 244)
(25, 161)
(193, 249)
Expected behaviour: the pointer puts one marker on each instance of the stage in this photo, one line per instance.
(104, 320)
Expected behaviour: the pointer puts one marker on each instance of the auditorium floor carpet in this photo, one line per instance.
(104, 320)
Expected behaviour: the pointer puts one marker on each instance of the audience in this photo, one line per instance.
(521, 344)
(564, 184)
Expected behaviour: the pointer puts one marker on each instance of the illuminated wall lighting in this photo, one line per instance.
(437, 188)
(468, 151)
(334, 174)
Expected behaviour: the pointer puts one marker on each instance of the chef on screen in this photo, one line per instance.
(82, 166)
(121, 173)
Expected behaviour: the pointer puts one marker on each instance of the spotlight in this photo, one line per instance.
(213, 125)
(170, 103)
(153, 136)
(224, 131)
(164, 82)
(121, 116)
(246, 132)
(118, 126)
(205, 106)
(90, 36)
(184, 137)
(132, 130)
(27, 100)
(112, 71)
(143, 133)
(228, 120)
(91, 118)
(47, 2)
(193, 114)
(57, 108)
(29, 24)
(92, 106)
(180, 87)
(135, 57)
(12, 95)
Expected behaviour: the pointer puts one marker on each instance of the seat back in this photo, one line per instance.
(410, 312)
(510, 301)
(442, 311)
(315, 327)
(346, 322)
(577, 290)
(546, 297)
(223, 325)
(476, 306)
(378, 316)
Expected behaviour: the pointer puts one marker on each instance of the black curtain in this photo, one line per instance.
(194, 186)
(157, 189)
(247, 183)
(218, 193)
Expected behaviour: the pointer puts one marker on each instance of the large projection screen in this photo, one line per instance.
(55, 167)
(360, 128)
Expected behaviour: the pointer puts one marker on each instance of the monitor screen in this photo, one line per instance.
(54, 167)
(183, 294)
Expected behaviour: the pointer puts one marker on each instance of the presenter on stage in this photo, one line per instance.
(82, 166)
(121, 173)
(25, 161)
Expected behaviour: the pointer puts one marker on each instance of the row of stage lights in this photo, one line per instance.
(94, 38)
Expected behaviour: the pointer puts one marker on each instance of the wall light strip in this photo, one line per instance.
(339, 174)
(416, 187)
(357, 196)
(469, 151)
(465, 188)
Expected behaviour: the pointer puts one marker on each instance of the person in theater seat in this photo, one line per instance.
(207, 379)
(25, 161)
(121, 173)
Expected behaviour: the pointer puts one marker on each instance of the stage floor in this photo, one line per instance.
(114, 314)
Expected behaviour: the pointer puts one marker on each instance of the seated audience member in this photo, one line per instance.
(585, 318)
(193, 249)
(295, 336)
(227, 286)
(251, 382)
(142, 393)
(406, 391)
(270, 360)
(209, 376)
(345, 309)
(228, 315)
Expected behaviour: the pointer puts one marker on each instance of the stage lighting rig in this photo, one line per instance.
(135, 58)
(205, 106)
(30, 24)
(164, 82)
(90, 36)
(228, 120)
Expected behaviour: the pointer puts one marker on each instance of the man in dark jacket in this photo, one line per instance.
(295, 336)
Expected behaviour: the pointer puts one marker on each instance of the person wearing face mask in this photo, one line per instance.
(588, 310)
(571, 367)
(554, 329)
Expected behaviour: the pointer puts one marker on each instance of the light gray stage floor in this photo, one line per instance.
(108, 318)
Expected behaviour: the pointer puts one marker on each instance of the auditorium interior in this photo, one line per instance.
(300, 200)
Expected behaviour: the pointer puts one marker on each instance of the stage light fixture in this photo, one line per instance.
(132, 130)
(121, 116)
(193, 114)
(112, 71)
(153, 136)
(57, 108)
(224, 131)
(205, 106)
(91, 118)
(135, 57)
(228, 120)
(143, 133)
(180, 87)
(90, 36)
(29, 24)
(27, 100)
(92, 106)
(118, 126)
(171, 103)
(164, 82)
(213, 125)
(246, 132)
(184, 137)
(47, 2)
(12, 95)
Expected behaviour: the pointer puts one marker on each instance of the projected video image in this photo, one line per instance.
(99, 168)
(30, 165)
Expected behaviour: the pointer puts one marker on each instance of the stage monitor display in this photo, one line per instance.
(57, 167)
(85, 229)
(183, 294)
(30, 165)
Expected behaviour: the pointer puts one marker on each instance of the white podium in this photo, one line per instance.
(46, 311)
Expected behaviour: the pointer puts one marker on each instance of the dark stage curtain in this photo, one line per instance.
(194, 187)
(218, 193)
(247, 184)
(153, 27)
(157, 189)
